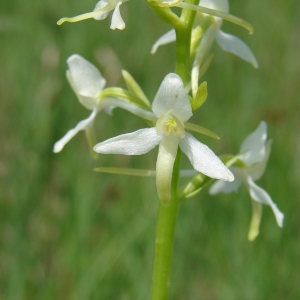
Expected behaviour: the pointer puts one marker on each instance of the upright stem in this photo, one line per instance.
(167, 215)
(183, 43)
(164, 239)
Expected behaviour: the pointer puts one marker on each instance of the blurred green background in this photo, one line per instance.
(67, 232)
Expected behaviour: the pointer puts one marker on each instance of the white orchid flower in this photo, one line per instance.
(87, 83)
(254, 153)
(101, 11)
(172, 108)
(227, 42)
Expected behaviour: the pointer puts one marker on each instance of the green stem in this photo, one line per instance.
(183, 43)
(167, 216)
(164, 239)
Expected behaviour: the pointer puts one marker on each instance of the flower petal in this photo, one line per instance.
(135, 143)
(165, 39)
(221, 5)
(225, 186)
(164, 167)
(103, 6)
(110, 103)
(256, 170)
(82, 125)
(85, 79)
(171, 96)
(260, 195)
(203, 159)
(253, 148)
(116, 19)
(234, 45)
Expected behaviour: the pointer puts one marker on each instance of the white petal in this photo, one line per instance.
(221, 5)
(225, 186)
(260, 195)
(102, 6)
(256, 170)
(165, 39)
(234, 45)
(135, 143)
(116, 19)
(85, 79)
(171, 95)
(253, 148)
(203, 159)
(164, 167)
(82, 125)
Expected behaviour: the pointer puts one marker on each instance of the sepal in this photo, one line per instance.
(201, 96)
(134, 87)
(201, 130)
(116, 92)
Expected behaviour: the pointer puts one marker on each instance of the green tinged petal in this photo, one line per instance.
(200, 129)
(134, 88)
(217, 13)
(116, 92)
(201, 96)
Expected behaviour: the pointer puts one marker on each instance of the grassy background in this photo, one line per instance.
(69, 233)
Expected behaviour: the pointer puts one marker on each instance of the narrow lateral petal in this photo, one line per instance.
(253, 148)
(116, 19)
(221, 5)
(203, 159)
(234, 45)
(164, 167)
(86, 80)
(135, 143)
(165, 39)
(111, 103)
(171, 96)
(225, 186)
(260, 195)
(82, 125)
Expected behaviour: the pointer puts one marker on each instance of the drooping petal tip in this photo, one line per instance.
(116, 20)
(204, 160)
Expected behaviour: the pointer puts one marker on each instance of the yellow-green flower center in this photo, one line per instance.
(168, 124)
